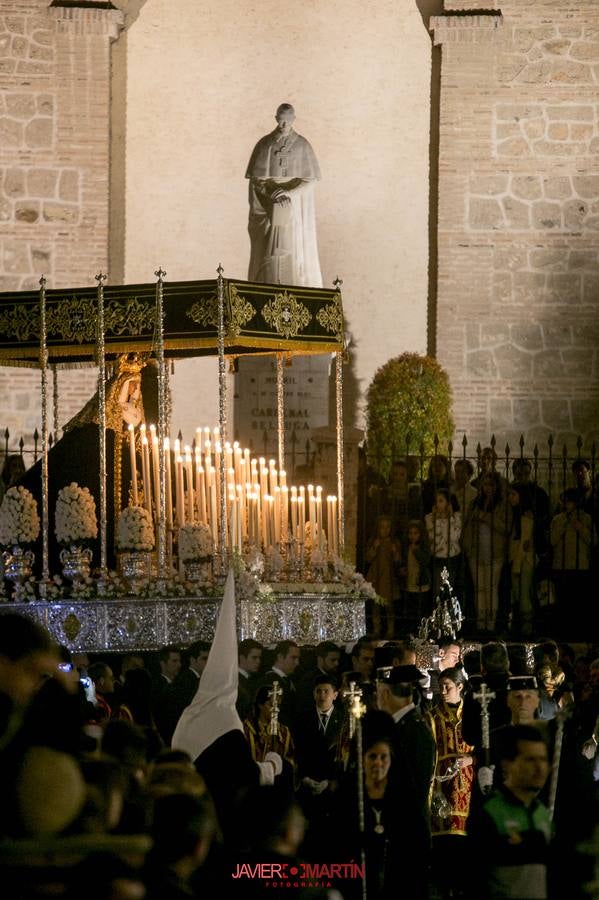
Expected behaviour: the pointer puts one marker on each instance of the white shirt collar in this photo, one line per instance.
(278, 671)
(400, 713)
(243, 672)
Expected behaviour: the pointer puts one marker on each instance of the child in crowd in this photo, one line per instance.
(416, 573)
(383, 553)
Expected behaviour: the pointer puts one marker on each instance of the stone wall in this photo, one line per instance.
(54, 157)
(518, 322)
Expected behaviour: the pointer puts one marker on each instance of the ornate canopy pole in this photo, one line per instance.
(356, 709)
(44, 370)
(222, 415)
(162, 415)
(340, 455)
(101, 358)
(55, 423)
(281, 412)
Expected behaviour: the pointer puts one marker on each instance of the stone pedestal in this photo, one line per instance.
(306, 409)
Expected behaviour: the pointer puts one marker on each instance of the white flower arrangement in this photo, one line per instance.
(195, 542)
(276, 563)
(75, 517)
(254, 561)
(318, 558)
(135, 530)
(19, 519)
(248, 585)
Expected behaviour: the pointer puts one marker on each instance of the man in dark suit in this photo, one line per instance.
(317, 737)
(328, 658)
(183, 688)
(414, 765)
(249, 656)
(287, 657)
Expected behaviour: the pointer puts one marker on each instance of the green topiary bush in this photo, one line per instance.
(408, 402)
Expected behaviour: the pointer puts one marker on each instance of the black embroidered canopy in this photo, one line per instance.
(259, 318)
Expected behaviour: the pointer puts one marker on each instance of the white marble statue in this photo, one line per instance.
(283, 170)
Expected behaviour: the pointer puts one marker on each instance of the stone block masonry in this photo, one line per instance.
(54, 159)
(518, 307)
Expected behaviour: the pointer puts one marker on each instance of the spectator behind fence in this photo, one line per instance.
(572, 540)
(484, 540)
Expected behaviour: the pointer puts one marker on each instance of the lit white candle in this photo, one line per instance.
(312, 514)
(283, 478)
(270, 509)
(133, 464)
(241, 498)
(213, 517)
(263, 483)
(293, 508)
(146, 472)
(239, 525)
(335, 526)
(265, 522)
(189, 478)
(318, 503)
(284, 513)
(179, 493)
(277, 515)
(237, 462)
(232, 524)
(272, 471)
(202, 511)
(301, 518)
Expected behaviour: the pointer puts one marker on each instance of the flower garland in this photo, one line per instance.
(19, 519)
(135, 530)
(75, 517)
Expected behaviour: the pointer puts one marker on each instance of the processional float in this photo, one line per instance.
(169, 321)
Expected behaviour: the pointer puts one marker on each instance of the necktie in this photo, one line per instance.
(324, 720)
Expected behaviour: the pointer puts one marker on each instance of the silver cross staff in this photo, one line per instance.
(274, 694)
(356, 710)
(484, 697)
(355, 705)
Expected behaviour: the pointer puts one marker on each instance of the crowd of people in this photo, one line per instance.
(100, 801)
(521, 561)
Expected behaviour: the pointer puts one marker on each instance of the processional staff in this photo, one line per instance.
(560, 721)
(484, 697)
(275, 693)
(356, 710)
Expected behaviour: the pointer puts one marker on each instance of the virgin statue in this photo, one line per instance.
(131, 394)
(282, 172)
